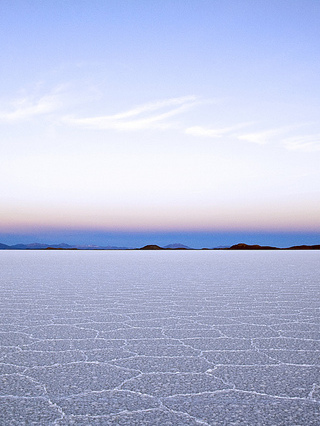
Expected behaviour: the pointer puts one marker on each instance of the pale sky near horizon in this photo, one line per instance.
(160, 115)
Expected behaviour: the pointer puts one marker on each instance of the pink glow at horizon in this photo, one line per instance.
(264, 217)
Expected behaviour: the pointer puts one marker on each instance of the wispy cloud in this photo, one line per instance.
(27, 107)
(213, 133)
(305, 143)
(146, 116)
(266, 136)
(281, 135)
(261, 138)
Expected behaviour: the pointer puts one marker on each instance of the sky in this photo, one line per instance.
(192, 121)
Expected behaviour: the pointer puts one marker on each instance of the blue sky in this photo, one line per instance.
(171, 117)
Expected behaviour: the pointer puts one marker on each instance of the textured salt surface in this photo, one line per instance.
(153, 338)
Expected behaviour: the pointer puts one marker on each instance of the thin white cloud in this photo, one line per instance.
(266, 136)
(27, 107)
(205, 132)
(260, 138)
(305, 143)
(153, 106)
(146, 116)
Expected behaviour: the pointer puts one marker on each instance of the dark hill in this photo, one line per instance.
(305, 247)
(151, 247)
(243, 246)
(60, 248)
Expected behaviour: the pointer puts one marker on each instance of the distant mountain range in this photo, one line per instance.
(175, 246)
(242, 246)
(62, 246)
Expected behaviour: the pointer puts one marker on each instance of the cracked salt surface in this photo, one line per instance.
(159, 338)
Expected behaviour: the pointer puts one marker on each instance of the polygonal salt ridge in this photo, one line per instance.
(194, 332)
(13, 328)
(158, 316)
(287, 343)
(20, 385)
(40, 358)
(10, 368)
(169, 384)
(172, 322)
(74, 344)
(212, 320)
(248, 331)
(239, 357)
(102, 326)
(99, 316)
(33, 410)
(108, 354)
(15, 339)
(294, 357)
(153, 341)
(149, 417)
(61, 331)
(77, 377)
(314, 393)
(254, 318)
(297, 326)
(151, 364)
(219, 343)
(106, 402)
(274, 380)
(308, 335)
(132, 333)
(155, 349)
(243, 407)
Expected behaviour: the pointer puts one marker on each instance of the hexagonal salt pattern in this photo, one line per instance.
(159, 338)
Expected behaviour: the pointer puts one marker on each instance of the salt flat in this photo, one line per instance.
(155, 338)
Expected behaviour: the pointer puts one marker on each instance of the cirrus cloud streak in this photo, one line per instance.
(153, 115)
